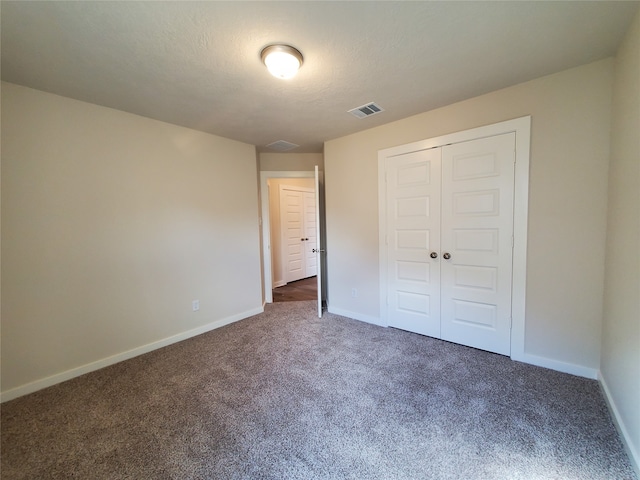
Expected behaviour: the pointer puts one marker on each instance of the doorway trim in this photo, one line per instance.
(267, 271)
(522, 128)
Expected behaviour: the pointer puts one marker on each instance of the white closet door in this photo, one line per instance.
(477, 229)
(413, 224)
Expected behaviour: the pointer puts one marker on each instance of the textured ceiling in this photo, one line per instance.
(197, 64)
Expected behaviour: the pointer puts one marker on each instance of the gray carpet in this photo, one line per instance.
(285, 395)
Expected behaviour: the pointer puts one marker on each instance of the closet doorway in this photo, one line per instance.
(450, 225)
(453, 234)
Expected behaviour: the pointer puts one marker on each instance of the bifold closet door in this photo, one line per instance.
(413, 234)
(477, 236)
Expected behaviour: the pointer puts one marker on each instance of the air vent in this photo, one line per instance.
(366, 110)
(282, 146)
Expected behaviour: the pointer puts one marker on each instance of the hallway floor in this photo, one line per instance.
(305, 289)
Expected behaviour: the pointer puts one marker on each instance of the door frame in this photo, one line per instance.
(522, 128)
(267, 270)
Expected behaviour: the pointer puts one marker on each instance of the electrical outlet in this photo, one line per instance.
(195, 305)
(354, 292)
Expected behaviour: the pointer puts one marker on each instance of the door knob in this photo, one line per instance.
(446, 256)
(433, 255)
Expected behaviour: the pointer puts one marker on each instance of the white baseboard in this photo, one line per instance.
(279, 283)
(632, 450)
(105, 362)
(559, 366)
(356, 316)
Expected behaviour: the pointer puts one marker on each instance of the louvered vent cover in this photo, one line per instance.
(282, 146)
(366, 110)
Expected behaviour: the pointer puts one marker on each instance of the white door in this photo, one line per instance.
(319, 248)
(449, 237)
(310, 233)
(298, 221)
(477, 229)
(292, 221)
(413, 221)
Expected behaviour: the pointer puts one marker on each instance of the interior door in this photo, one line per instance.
(299, 232)
(477, 230)
(310, 233)
(292, 220)
(413, 241)
(319, 243)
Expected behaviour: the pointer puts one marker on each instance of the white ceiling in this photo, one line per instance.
(197, 64)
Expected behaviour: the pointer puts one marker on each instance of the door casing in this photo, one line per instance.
(522, 128)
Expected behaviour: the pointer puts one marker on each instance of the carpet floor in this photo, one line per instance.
(285, 395)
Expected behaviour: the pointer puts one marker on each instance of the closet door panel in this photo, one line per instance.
(477, 229)
(413, 233)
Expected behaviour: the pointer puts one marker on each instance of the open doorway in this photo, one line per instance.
(292, 219)
(269, 183)
(271, 279)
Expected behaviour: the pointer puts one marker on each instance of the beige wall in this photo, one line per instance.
(112, 224)
(274, 222)
(302, 162)
(620, 368)
(567, 205)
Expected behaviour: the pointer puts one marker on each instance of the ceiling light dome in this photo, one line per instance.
(282, 61)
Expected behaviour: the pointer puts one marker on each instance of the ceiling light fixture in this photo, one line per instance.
(282, 61)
